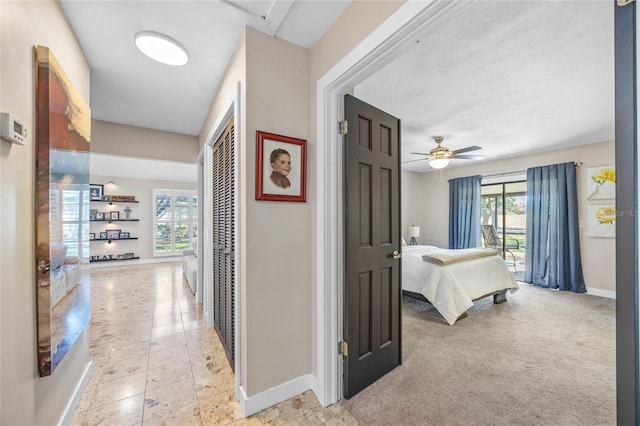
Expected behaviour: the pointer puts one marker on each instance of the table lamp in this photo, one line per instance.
(414, 231)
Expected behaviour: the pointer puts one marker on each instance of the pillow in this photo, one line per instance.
(404, 243)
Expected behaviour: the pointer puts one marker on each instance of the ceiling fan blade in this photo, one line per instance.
(411, 161)
(420, 153)
(469, 157)
(467, 149)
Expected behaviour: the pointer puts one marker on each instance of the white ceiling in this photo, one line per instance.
(510, 76)
(129, 88)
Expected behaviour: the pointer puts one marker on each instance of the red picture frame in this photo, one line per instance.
(281, 168)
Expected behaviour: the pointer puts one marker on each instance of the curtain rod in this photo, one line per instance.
(518, 172)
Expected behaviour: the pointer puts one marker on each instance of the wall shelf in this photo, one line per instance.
(115, 220)
(113, 202)
(113, 239)
(113, 260)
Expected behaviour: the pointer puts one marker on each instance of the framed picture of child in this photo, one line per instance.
(281, 168)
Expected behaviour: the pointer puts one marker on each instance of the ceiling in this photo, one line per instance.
(513, 77)
(129, 88)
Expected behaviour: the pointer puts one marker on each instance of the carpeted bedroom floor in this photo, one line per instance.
(543, 358)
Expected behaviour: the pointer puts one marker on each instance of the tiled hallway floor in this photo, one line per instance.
(156, 363)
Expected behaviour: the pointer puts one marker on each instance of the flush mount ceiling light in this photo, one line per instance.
(161, 48)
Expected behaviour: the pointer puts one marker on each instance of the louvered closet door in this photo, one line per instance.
(224, 240)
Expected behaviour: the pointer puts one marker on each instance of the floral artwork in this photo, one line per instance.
(601, 183)
(602, 221)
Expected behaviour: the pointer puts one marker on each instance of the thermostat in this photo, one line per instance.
(12, 129)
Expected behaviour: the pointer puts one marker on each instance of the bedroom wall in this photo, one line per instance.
(27, 399)
(598, 254)
(413, 204)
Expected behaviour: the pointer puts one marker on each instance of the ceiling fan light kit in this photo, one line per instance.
(439, 163)
(439, 156)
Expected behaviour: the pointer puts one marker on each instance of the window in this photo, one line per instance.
(70, 207)
(504, 207)
(175, 220)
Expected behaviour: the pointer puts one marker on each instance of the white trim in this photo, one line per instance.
(254, 404)
(387, 42)
(237, 178)
(97, 265)
(81, 387)
(609, 294)
(200, 239)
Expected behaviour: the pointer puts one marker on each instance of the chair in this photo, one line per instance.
(492, 240)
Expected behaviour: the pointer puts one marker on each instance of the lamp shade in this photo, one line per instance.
(414, 231)
(439, 163)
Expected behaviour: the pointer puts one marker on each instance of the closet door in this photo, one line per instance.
(224, 241)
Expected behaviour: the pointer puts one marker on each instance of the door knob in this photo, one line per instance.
(396, 255)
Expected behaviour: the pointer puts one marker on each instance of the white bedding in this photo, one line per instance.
(451, 289)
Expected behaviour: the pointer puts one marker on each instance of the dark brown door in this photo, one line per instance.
(224, 241)
(372, 234)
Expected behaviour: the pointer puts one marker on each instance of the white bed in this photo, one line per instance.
(452, 289)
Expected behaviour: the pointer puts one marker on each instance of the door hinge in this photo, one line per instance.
(343, 348)
(624, 2)
(343, 127)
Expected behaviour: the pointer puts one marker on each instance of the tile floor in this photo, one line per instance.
(156, 363)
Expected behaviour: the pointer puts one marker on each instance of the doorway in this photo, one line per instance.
(504, 221)
(368, 57)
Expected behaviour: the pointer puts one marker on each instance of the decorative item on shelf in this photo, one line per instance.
(128, 255)
(127, 198)
(106, 215)
(92, 214)
(121, 257)
(113, 234)
(127, 213)
(115, 215)
(103, 235)
(414, 232)
(92, 235)
(95, 192)
(99, 216)
(106, 198)
(124, 235)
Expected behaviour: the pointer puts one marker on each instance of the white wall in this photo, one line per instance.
(598, 254)
(27, 399)
(278, 234)
(131, 141)
(142, 189)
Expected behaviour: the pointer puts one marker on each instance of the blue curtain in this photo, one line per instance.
(553, 243)
(464, 212)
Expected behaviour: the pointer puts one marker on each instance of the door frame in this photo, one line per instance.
(627, 229)
(389, 41)
(230, 111)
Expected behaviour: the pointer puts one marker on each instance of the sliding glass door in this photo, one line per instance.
(504, 220)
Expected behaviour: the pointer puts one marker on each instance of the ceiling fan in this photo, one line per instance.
(439, 156)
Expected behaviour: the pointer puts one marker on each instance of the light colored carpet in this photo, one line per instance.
(543, 358)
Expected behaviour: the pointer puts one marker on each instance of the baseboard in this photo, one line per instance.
(609, 294)
(96, 265)
(256, 403)
(70, 409)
